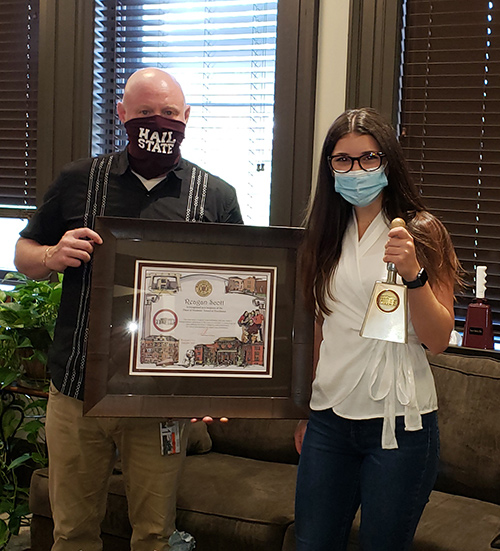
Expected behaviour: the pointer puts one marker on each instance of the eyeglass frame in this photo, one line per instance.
(379, 153)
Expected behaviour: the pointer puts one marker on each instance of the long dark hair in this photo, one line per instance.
(329, 213)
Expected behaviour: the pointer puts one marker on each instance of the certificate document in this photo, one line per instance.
(194, 319)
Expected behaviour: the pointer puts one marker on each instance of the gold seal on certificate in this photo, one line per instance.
(203, 288)
(203, 320)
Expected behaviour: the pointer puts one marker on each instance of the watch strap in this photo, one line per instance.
(419, 281)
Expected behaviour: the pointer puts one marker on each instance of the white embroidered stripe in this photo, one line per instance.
(104, 180)
(76, 361)
(203, 196)
(197, 196)
(88, 206)
(190, 194)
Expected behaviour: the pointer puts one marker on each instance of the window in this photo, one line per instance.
(18, 103)
(74, 32)
(223, 52)
(18, 117)
(450, 126)
(9, 230)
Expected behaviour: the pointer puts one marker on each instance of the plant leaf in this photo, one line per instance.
(37, 404)
(14, 524)
(8, 376)
(33, 427)
(39, 458)
(4, 532)
(19, 461)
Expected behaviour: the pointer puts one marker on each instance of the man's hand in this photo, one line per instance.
(74, 248)
(37, 261)
(209, 420)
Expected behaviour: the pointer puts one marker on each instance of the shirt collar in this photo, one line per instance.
(122, 165)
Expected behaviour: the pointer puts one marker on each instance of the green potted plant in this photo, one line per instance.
(27, 320)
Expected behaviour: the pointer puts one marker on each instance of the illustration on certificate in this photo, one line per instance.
(196, 319)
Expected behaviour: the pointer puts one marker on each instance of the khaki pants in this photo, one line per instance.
(82, 453)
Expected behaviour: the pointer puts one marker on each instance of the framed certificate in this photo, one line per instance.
(204, 320)
(189, 320)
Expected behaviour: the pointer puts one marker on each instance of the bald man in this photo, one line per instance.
(149, 179)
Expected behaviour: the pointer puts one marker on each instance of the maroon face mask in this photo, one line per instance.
(154, 144)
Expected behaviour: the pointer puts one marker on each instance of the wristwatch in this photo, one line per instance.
(419, 281)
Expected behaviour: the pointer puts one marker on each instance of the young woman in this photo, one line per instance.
(372, 435)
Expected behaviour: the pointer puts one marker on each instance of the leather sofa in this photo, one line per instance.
(238, 483)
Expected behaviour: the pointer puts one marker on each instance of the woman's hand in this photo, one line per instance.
(400, 250)
(431, 306)
(300, 431)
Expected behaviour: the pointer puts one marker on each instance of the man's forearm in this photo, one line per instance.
(30, 258)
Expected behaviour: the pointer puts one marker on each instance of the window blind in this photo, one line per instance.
(18, 102)
(223, 52)
(450, 127)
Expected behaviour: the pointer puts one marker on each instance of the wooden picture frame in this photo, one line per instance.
(112, 389)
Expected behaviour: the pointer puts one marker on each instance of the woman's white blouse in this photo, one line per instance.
(363, 378)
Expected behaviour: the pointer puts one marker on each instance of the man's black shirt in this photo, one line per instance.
(187, 193)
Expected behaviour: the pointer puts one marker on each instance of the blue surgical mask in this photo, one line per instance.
(360, 188)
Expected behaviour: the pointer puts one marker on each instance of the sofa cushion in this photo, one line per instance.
(230, 502)
(214, 533)
(468, 397)
(238, 487)
(458, 523)
(199, 440)
(450, 523)
(264, 439)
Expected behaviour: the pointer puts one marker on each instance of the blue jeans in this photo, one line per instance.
(343, 466)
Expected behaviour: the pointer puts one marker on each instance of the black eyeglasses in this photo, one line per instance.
(368, 162)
